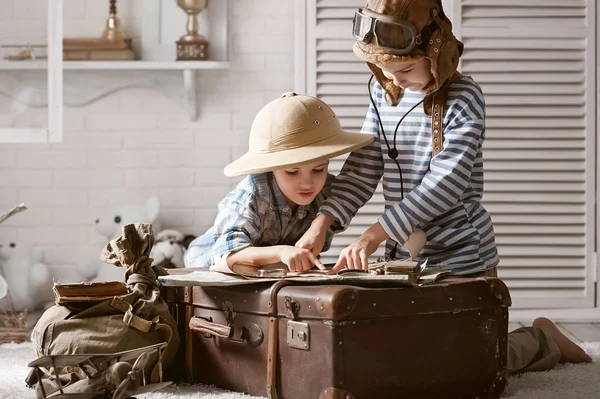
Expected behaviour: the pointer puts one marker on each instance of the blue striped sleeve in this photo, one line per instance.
(357, 181)
(449, 174)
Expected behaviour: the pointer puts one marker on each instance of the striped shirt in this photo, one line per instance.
(254, 214)
(441, 194)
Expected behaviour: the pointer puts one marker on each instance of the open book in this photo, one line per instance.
(274, 270)
(410, 268)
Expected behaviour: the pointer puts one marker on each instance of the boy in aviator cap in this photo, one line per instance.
(291, 141)
(429, 125)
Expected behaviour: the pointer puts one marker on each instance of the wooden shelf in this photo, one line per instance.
(189, 69)
(117, 65)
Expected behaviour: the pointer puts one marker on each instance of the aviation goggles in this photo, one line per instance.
(395, 35)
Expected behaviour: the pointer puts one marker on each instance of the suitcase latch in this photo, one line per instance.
(229, 313)
(298, 335)
(291, 308)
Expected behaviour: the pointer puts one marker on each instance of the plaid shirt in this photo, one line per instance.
(254, 214)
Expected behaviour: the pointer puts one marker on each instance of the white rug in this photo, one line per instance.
(564, 382)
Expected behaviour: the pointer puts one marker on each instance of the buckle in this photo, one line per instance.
(131, 320)
(128, 317)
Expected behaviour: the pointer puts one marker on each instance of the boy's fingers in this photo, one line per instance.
(364, 260)
(315, 261)
(341, 263)
(306, 264)
(319, 264)
(350, 262)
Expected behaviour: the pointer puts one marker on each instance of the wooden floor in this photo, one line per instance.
(577, 332)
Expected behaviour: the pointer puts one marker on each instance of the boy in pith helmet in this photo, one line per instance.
(428, 121)
(291, 141)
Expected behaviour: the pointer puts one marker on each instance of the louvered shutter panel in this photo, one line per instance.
(338, 77)
(537, 73)
(536, 68)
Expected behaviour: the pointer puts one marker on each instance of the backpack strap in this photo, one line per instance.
(143, 325)
(438, 110)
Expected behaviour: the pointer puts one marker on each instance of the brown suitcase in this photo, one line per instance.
(306, 341)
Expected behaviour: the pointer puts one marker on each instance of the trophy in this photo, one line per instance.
(192, 46)
(113, 29)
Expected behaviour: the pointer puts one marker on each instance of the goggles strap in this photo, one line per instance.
(425, 35)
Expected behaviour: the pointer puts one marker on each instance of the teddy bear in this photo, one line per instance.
(27, 278)
(169, 247)
(109, 225)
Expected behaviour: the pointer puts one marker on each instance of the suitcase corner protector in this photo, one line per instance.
(499, 290)
(335, 393)
(498, 385)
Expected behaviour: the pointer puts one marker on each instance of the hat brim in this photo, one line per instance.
(331, 147)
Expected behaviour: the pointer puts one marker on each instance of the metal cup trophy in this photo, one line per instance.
(192, 46)
(113, 29)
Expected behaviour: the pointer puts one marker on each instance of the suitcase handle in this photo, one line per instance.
(208, 328)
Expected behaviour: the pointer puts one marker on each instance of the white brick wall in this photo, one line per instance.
(140, 142)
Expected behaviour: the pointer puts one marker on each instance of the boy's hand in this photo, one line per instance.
(314, 238)
(299, 259)
(356, 255)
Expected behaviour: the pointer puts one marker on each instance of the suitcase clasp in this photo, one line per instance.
(291, 308)
(298, 335)
(229, 313)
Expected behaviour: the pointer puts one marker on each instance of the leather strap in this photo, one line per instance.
(438, 110)
(189, 335)
(157, 372)
(273, 339)
(437, 118)
(272, 358)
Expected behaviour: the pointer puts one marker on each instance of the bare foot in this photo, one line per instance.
(570, 352)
